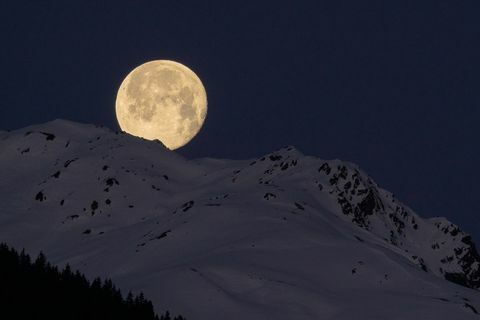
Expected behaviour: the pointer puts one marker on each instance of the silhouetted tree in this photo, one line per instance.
(39, 290)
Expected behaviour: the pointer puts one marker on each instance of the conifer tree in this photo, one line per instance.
(39, 290)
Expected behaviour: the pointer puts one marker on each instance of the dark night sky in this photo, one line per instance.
(390, 85)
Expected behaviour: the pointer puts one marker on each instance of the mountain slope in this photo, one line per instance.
(284, 236)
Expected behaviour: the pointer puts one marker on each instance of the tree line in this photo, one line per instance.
(36, 289)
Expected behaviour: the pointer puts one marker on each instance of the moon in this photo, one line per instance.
(162, 100)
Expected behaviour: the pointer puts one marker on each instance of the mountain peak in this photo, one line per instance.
(282, 232)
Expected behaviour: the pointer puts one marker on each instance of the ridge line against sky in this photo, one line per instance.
(392, 87)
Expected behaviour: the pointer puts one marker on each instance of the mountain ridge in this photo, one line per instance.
(107, 202)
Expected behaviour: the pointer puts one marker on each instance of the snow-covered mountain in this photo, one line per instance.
(284, 236)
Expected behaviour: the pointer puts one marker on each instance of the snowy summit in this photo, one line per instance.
(284, 236)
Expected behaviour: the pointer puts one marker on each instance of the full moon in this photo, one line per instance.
(162, 100)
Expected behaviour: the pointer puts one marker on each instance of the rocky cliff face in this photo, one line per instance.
(445, 249)
(283, 236)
